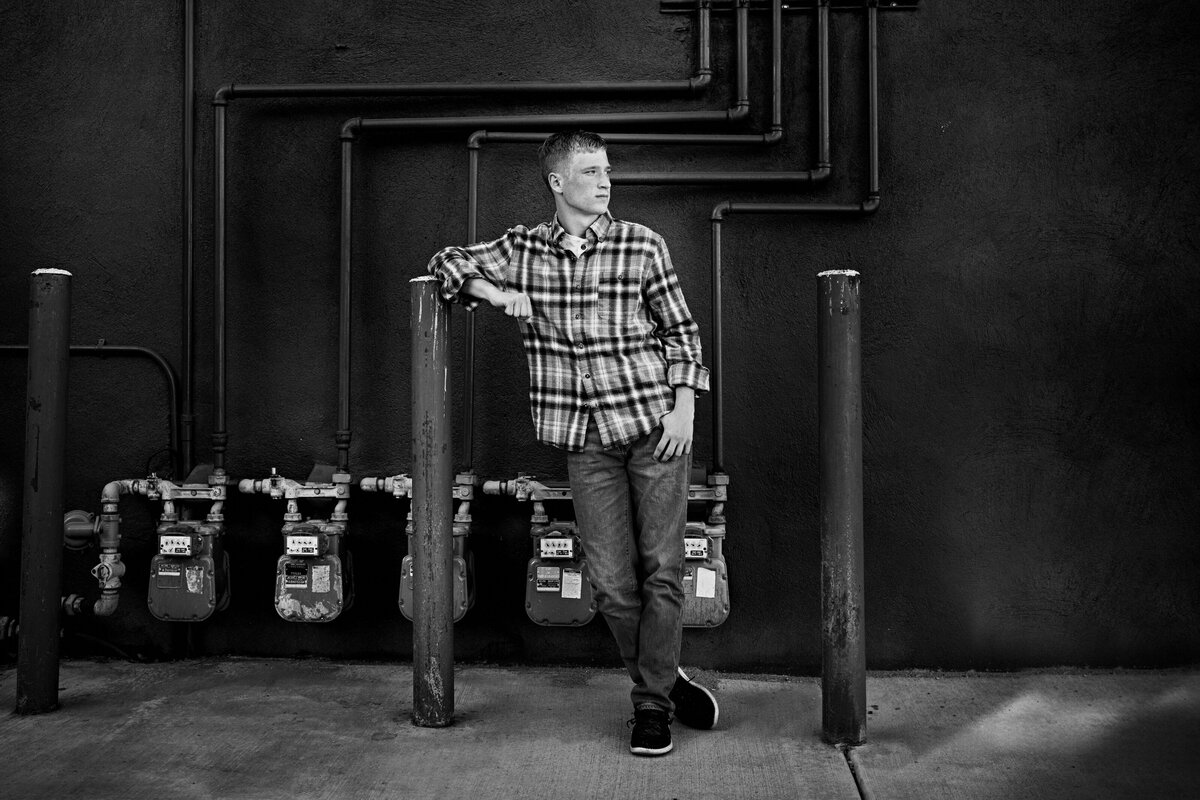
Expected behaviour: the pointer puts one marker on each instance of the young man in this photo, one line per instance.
(614, 365)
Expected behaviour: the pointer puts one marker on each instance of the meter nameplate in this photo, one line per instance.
(695, 547)
(175, 545)
(295, 575)
(557, 547)
(302, 546)
(549, 579)
(170, 576)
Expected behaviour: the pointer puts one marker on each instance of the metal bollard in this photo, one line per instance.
(432, 512)
(45, 453)
(843, 651)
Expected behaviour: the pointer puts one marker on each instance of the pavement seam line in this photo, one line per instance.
(858, 773)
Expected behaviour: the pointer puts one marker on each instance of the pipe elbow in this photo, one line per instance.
(739, 113)
(106, 605)
(821, 173)
(720, 210)
(773, 136)
(476, 139)
(112, 492)
(350, 129)
(223, 95)
(871, 204)
(700, 82)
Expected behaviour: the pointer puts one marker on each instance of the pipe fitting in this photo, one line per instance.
(107, 604)
(111, 494)
(109, 571)
(720, 210)
(476, 140)
(701, 81)
(223, 95)
(350, 129)
(871, 204)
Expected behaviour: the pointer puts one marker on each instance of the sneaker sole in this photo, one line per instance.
(651, 751)
(716, 708)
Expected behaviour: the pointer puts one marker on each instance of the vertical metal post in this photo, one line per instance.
(45, 452)
(843, 648)
(432, 540)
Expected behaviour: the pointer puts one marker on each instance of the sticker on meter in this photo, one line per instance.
(175, 545)
(557, 547)
(572, 586)
(302, 546)
(548, 579)
(696, 547)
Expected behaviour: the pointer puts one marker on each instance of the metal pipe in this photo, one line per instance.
(45, 452)
(432, 539)
(867, 206)
(188, 419)
(839, 378)
(219, 435)
(225, 94)
(343, 435)
(106, 350)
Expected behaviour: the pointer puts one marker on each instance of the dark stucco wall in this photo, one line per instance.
(1030, 308)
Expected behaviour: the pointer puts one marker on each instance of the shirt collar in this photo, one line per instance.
(599, 228)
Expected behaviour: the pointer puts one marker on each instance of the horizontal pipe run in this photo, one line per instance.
(312, 90)
(107, 350)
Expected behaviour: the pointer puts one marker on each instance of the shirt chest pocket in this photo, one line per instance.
(618, 292)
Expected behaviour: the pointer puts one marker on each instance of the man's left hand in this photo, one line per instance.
(676, 438)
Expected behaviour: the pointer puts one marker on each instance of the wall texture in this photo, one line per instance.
(1030, 308)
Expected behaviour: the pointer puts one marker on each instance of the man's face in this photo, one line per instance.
(585, 183)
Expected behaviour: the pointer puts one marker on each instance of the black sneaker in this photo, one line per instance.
(695, 706)
(651, 732)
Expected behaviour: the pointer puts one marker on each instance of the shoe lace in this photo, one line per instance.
(652, 721)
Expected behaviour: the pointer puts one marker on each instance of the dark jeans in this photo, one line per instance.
(631, 512)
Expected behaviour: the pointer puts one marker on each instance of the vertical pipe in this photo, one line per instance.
(718, 370)
(42, 531)
(843, 659)
(183, 459)
(342, 437)
(219, 437)
(469, 347)
(823, 157)
(432, 542)
(873, 93)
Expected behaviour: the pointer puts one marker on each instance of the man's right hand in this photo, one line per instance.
(514, 304)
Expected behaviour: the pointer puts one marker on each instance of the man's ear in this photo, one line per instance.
(555, 182)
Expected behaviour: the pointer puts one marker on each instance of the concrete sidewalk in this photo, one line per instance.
(241, 728)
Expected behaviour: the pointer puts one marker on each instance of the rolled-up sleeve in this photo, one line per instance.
(454, 266)
(675, 328)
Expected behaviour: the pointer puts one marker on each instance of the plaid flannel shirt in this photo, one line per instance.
(611, 335)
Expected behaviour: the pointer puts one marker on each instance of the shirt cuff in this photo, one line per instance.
(452, 282)
(688, 373)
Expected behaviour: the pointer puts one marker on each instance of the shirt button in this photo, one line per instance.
(587, 376)
(578, 316)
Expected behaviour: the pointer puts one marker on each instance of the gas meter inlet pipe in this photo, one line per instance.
(42, 527)
(432, 540)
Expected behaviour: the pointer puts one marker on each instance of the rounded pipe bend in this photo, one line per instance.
(476, 139)
(720, 210)
(700, 82)
(871, 204)
(821, 173)
(112, 492)
(106, 605)
(738, 113)
(773, 136)
(350, 129)
(223, 95)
